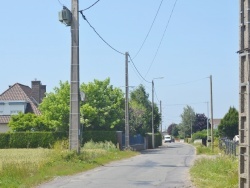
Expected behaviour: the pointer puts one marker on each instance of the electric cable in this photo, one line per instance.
(99, 34)
(156, 95)
(162, 37)
(138, 71)
(149, 30)
(60, 2)
(90, 6)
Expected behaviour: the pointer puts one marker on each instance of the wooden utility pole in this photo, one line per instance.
(244, 97)
(126, 103)
(74, 128)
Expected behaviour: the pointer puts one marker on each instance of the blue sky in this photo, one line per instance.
(201, 39)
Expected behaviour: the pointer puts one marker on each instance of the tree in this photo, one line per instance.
(188, 119)
(55, 107)
(140, 112)
(27, 122)
(173, 129)
(200, 123)
(103, 108)
(229, 124)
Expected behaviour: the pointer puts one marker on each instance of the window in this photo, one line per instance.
(15, 111)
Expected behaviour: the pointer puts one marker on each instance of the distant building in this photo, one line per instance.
(216, 123)
(20, 98)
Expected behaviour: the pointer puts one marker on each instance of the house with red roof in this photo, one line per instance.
(20, 98)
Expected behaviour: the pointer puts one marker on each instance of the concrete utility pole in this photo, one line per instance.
(207, 123)
(211, 107)
(191, 127)
(126, 103)
(244, 97)
(153, 131)
(161, 116)
(74, 141)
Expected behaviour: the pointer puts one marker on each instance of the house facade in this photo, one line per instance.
(20, 98)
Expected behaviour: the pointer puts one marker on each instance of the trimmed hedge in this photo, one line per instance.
(47, 139)
(99, 136)
(4, 140)
(157, 139)
(30, 139)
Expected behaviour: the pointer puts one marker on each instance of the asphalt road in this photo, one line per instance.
(164, 167)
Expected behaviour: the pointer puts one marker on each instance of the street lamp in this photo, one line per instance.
(153, 137)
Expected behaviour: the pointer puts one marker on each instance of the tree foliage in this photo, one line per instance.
(103, 108)
(187, 120)
(173, 130)
(229, 124)
(140, 112)
(27, 122)
(55, 107)
(200, 123)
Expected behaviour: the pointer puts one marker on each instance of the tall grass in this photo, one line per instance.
(29, 167)
(214, 169)
(201, 149)
(219, 172)
(17, 165)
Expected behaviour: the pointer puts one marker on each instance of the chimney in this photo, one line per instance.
(38, 91)
(43, 91)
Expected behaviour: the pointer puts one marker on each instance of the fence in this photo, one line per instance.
(228, 146)
(137, 142)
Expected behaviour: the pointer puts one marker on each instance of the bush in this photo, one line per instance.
(29, 139)
(4, 140)
(157, 139)
(99, 136)
(200, 135)
(100, 145)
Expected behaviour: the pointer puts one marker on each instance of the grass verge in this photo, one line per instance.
(213, 170)
(33, 169)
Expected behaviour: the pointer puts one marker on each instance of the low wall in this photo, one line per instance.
(138, 147)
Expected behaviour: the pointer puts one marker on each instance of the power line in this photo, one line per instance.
(148, 31)
(138, 71)
(156, 95)
(60, 2)
(99, 34)
(90, 6)
(162, 37)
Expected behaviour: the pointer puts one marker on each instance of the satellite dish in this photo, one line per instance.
(82, 95)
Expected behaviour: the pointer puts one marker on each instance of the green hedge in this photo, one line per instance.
(30, 139)
(157, 139)
(47, 139)
(4, 140)
(99, 136)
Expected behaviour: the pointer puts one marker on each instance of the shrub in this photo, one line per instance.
(99, 136)
(4, 140)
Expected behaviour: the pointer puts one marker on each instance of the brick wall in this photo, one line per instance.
(38, 91)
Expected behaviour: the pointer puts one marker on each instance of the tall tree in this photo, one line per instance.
(200, 123)
(173, 129)
(229, 124)
(103, 108)
(55, 107)
(188, 119)
(141, 112)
